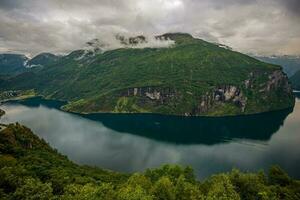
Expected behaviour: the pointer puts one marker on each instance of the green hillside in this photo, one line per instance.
(42, 59)
(11, 64)
(192, 77)
(31, 170)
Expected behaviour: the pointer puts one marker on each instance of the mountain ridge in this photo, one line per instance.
(14, 64)
(191, 78)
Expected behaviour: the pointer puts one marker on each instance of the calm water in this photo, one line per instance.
(136, 142)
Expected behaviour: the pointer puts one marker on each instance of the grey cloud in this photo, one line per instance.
(59, 26)
(291, 5)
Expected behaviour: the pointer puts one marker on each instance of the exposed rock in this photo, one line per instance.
(222, 94)
(160, 95)
(278, 79)
(247, 83)
(258, 85)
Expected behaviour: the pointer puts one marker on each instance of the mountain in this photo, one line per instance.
(31, 169)
(42, 59)
(191, 77)
(12, 63)
(295, 79)
(290, 64)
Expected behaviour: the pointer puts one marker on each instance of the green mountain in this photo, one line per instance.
(191, 77)
(12, 64)
(42, 59)
(295, 79)
(31, 170)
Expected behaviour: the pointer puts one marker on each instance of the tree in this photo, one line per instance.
(220, 188)
(33, 189)
(278, 177)
(164, 189)
(186, 190)
(128, 192)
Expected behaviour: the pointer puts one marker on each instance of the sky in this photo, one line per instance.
(261, 27)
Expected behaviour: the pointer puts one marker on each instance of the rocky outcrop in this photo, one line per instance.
(278, 80)
(260, 92)
(161, 95)
(222, 94)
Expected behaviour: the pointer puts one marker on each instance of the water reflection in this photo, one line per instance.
(184, 130)
(196, 130)
(124, 148)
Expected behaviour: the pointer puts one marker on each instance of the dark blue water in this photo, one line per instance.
(136, 142)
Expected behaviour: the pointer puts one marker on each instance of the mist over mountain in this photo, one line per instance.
(14, 64)
(189, 77)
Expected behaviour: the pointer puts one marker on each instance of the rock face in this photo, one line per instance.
(275, 80)
(156, 94)
(222, 94)
(239, 97)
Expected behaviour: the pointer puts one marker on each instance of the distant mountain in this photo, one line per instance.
(191, 77)
(42, 59)
(13, 64)
(295, 79)
(290, 64)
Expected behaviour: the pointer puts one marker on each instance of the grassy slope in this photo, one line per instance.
(192, 67)
(31, 169)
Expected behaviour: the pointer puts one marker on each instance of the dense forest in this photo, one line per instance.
(31, 170)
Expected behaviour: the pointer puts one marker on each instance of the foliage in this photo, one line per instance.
(30, 169)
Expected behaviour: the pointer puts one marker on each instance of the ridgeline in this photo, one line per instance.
(192, 77)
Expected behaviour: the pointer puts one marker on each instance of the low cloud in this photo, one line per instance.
(60, 26)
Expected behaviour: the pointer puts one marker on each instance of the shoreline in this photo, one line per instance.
(142, 114)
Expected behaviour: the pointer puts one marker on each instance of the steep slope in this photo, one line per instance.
(192, 77)
(295, 79)
(31, 169)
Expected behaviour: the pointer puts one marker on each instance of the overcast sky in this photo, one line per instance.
(59, 26)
